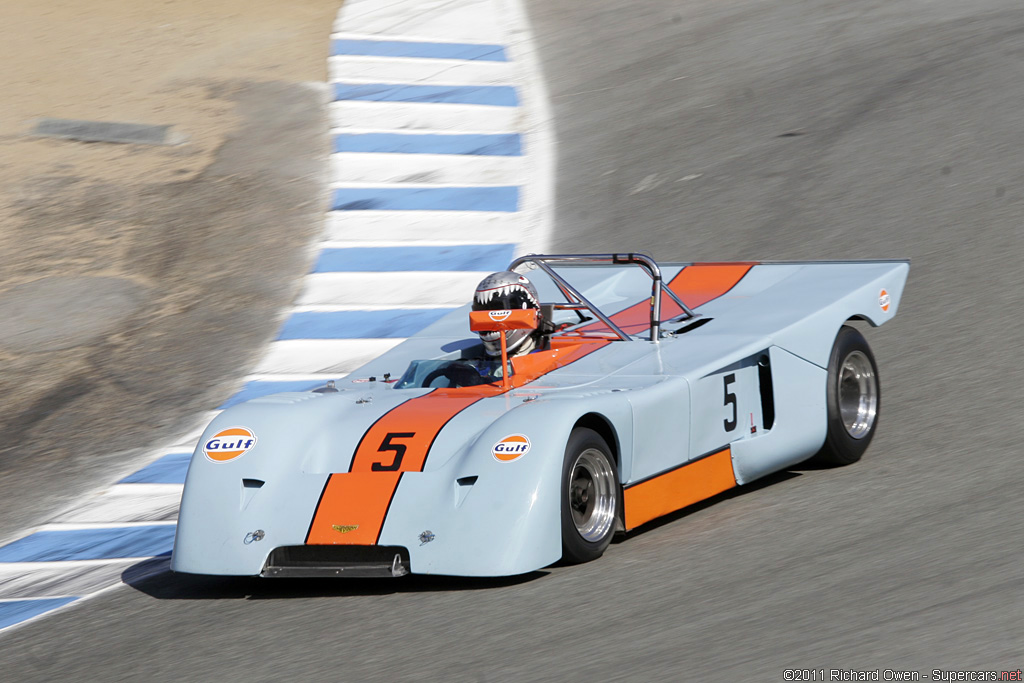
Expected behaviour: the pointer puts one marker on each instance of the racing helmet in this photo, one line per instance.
(502, 291)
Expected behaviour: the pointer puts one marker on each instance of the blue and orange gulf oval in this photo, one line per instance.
(230, 443)
(511, 448)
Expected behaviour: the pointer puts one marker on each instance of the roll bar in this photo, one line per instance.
(577, 301)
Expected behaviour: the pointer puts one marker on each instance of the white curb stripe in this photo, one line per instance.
(389, 289)
(107, 524)
(16, 568)
(56, 579)
(407, 37)
(322, 355)
(404, 187)
(386, 244)
(420, 226)
(424, 117)
(462, 21)
(330, 308)
(354, 69)
(352, 168)
(123, 503)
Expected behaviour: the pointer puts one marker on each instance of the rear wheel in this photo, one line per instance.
(590, 497)
(853, 399)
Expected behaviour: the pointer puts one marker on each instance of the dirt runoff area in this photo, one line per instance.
(137, 282)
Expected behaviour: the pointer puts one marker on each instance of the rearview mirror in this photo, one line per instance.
(499, 321)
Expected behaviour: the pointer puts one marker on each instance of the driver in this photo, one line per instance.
(506, 290)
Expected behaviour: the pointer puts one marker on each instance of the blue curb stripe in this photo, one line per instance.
(400, 48)
(170, 469)
(387, 324)
(493, 95)
(504, 145)
(90, 544)
(258, 388)
(17, 611)
(497, 198)
(468, 257)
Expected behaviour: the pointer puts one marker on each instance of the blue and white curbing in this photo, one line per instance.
(441, 172)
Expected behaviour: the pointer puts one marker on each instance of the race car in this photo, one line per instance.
(651, 387)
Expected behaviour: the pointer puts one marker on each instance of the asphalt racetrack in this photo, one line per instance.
(699, 130)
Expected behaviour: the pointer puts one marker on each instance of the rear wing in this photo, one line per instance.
(753, 297)
(797, 305)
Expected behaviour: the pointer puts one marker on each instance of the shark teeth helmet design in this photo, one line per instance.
(503, 291)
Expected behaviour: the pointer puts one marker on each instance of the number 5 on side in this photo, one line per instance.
(730, 399)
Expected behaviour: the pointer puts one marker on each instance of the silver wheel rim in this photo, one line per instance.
(592, 495)
(858, 394)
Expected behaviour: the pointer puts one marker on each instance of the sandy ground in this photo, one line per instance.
(137, 281)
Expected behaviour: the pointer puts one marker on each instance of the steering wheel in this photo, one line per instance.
(459, 374)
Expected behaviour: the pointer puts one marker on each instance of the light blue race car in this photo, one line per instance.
(647, 388)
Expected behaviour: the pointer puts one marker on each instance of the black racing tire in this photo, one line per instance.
(854, 399)
(591, 497)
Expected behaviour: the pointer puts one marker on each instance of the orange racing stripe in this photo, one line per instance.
(696, 285)
(401, 439)
(398, 442)
(352, 508)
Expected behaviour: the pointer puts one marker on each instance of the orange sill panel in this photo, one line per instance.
(678, 488)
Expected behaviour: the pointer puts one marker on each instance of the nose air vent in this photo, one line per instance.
(249, 489)
(462, 487)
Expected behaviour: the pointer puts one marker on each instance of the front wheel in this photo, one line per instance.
(853, 398)
(590, 497)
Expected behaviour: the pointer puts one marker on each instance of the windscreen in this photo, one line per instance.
(450, 374)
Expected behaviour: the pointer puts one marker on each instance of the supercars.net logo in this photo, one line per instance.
(228, 444)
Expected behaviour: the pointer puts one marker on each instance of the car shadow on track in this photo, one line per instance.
(155, 578)
(764, 482)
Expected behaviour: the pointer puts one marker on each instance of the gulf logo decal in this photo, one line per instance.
(511, 448)
(228, 444)
(498, 316)
(883, 300)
